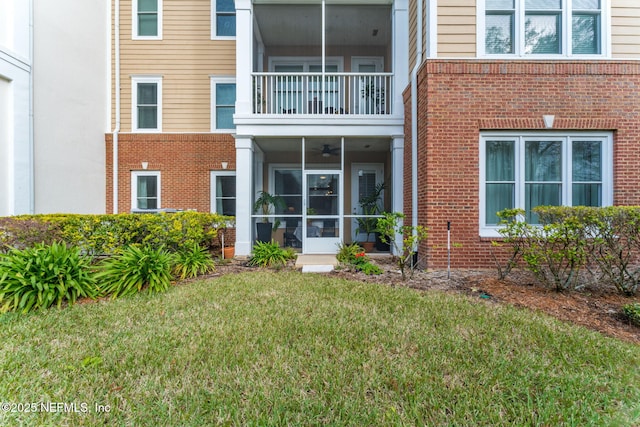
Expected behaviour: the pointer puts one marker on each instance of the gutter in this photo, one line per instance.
(32, 156)
(117, 90)
(414, 120)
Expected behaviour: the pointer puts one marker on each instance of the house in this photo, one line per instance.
(53, 106)
(216, 101)
(460, 109)
(518, 104)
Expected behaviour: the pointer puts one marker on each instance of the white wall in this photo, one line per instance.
(16, 161)
(71, 72)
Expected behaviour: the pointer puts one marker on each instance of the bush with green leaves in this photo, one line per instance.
(270, 254)
(569, 241)
(134, 269)
(632, 312)
(404, 239)
(44, 275)
(193, 261)
(352, 256)
(106, 234)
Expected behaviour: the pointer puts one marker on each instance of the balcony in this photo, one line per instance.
(322, 94)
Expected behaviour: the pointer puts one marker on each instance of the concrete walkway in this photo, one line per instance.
(316, 263)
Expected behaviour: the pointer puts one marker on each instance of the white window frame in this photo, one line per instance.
(565, 33)
(567, 138)
(135, 80)
(215, 80)
(134, 188)
(214, 24)
(214, 194)
(134, 22)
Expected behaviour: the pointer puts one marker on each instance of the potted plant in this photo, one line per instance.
(267, 203)
(371, 205)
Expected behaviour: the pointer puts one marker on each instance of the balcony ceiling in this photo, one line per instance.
(300, 25)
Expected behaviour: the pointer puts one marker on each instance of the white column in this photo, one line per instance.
(244, 180)
(397, 167)
(244, 56)
(400, 53)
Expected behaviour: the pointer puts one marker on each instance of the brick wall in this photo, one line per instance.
(458, 99)
(184, 161)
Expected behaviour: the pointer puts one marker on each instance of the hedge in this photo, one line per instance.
(106, 234)
(603, 242)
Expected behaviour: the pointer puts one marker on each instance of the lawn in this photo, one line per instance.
(284, 348)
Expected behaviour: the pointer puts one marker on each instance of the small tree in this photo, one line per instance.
(392, 225)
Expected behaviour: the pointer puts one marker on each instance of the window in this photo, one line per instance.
(223, 193)
(525, 171)
(223, 103)
(146, 100)
(145, 190)
(542, 27)
(223, 18)
(147, 19)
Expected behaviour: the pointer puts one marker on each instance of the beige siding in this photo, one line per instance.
(412, 30)
(625, 29)
(456, 28)
(186, 57)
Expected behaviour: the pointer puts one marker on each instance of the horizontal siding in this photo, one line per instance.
(625, 29)
(456, 28)
(186, 57)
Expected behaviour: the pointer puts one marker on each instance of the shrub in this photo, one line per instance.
(26, 232)
(270, 254)
(106, 234)
(632, 312)
(353, 257)
(513, 233)
(193, 261)
(555, 251)
(134, 269)
(390, 226)
(44, 275)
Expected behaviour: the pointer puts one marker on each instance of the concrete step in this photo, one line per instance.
(312, 263)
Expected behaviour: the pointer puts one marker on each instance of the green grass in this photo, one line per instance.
(289, 349)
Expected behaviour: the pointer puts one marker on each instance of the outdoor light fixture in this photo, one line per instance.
(224, 164)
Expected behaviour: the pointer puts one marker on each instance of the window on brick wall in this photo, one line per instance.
(529, 170)
(223, 18)
(147, 19)
(542, 27)
(223, 103)
(145, 190)
(146, 104)
(223, 192)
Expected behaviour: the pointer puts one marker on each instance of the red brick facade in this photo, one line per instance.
(184, 161)
(460, 98)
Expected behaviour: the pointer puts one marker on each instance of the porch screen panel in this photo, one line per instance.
(500, 179)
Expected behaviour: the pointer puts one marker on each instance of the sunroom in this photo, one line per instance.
(319, 122)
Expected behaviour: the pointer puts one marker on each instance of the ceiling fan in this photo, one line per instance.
(328, 151)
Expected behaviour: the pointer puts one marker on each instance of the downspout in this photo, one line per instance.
(414, 120)
(32, 155)
(117, 90)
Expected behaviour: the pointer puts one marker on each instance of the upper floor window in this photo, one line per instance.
(529, 170)
(147, 19)
(543, 27)
(146, 104)
(223, 18)
(223, 103)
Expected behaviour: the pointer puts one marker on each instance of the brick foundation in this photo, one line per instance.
(460, 98)
(184, 160)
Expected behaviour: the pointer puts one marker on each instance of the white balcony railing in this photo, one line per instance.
(315, 93)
